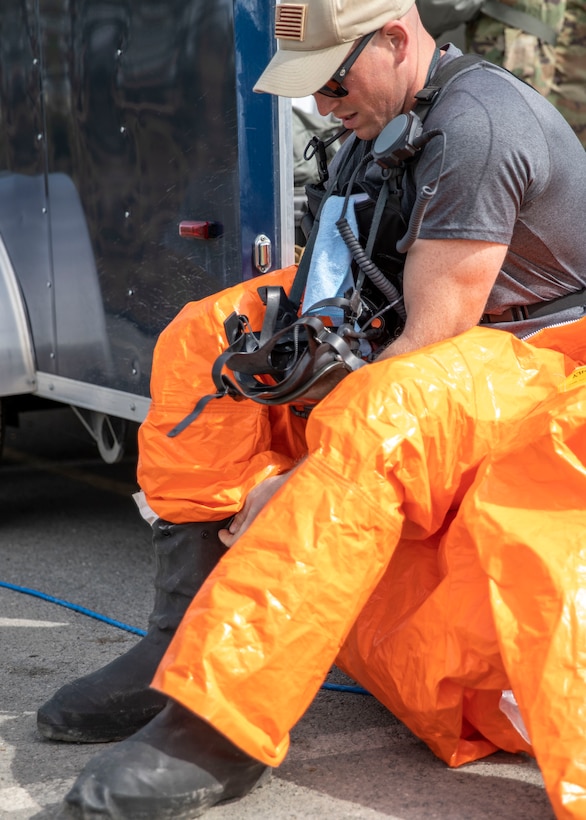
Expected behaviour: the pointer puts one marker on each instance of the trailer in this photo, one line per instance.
(138, 171)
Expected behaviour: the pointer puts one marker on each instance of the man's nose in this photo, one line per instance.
(325, 105)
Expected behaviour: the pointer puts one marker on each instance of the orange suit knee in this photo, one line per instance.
(206, 471)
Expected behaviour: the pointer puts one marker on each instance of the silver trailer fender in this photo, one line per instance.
(17, 361)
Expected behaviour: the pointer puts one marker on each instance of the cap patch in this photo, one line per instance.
(290, 21)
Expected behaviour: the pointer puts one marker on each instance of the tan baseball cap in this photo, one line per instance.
(315, 37)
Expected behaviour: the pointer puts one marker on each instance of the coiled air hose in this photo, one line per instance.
(368, 267)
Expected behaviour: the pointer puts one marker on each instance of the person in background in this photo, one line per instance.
(541, 41)
(568, 91)
(308, 124)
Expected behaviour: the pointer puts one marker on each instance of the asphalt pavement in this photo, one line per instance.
(70, 531)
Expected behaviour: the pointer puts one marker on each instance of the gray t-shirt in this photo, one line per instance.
(513, 172)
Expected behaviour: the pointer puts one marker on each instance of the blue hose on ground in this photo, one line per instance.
(336, 687)
(75, 607)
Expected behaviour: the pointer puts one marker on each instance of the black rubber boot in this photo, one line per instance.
(115, 701)
(173, 769)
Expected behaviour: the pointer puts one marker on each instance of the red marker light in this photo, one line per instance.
(200, 229)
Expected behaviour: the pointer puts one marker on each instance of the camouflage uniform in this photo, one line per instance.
(569, 88)
(556, 71)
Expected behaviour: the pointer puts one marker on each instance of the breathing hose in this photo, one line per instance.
(424, 195)
(417, 214)
(368, 267)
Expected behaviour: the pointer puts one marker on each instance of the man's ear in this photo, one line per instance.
(396, 36)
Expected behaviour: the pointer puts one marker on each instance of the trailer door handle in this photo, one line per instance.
(262, 253)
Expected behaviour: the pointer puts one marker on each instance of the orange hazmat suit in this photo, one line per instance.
(430, 540)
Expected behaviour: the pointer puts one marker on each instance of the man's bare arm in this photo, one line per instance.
(446, 286)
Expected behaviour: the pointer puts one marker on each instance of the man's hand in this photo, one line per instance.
(254, 503)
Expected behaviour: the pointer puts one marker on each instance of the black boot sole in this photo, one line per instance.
(78, 729)
(104, 706)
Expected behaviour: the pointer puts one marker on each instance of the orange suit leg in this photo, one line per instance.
(529, 520)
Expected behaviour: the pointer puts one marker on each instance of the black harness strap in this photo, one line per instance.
(283, 357)
(519, 313)
(445, 73)
(279, 359)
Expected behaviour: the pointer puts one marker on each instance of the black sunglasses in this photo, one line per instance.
(334, 87)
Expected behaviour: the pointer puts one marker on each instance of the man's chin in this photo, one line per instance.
(365, 132)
